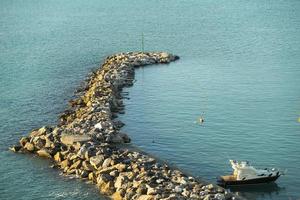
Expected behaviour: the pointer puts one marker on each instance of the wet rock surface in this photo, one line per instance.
(85, 143)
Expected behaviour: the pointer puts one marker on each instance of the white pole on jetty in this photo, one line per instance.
(143, 50)
(143, 42)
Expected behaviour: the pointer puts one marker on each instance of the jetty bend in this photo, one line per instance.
(86, 141)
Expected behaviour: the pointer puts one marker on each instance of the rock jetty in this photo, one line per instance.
(86, 141)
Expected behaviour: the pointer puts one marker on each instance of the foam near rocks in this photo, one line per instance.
(85, 141)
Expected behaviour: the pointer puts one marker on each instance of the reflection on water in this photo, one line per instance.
(259, 191)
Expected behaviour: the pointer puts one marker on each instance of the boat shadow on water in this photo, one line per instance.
(257, 191)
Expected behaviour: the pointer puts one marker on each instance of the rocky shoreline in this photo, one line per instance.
(86, 141)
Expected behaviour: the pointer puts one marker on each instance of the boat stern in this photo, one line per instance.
(224, 180)
(220, 181)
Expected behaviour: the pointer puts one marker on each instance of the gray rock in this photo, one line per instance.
(145, 197)
(159, 181)
(178, 189)
(88, 154)
(29, 147)
(220, 190)
(84, 174)
(23, 141)
(119, 124)
(82, 151)
(114, 173)
(142, 189)
(76, 165)
(210, 186)
(194, 196)
(219, 196)
(58, 157)
(87, 166)
(183, 181)
(42, 131)
(203, 193)
(44, 153)
(39, 143)
(106, 163)
(149, 161)
(151, 191)
(70, 139)
(125, 137)
(65, 163)
(185, 193)
(97, 161)
(104, 178)
(76, 146)
(114, 138)
(15, 148)
(119, 181)
(207, 197)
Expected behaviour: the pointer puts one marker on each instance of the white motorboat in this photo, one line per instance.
(244, 173)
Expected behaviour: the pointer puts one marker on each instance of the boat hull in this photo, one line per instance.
(225, 183)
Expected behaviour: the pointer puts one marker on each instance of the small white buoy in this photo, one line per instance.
(201, 120)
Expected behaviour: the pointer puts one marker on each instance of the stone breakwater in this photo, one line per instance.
(86, 141)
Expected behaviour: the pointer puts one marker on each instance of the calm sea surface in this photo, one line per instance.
(239, 68)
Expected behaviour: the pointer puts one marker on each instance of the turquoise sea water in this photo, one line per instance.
(240, 65)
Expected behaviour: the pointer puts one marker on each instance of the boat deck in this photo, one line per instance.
(229, 178)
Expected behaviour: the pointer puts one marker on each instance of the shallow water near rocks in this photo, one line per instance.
(239, 65)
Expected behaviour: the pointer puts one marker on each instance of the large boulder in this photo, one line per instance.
(65, 163)
(76, 165)
(117, 196)
(97, 161)
(146, 197)
(107, 188)
(15, 148)
(38, 142)
(99, 126)
(81, 152)
(125, 137)
(70, 139)
(23, 141)
(29, 147)
(92, 177)
(120, 167)
(178, 189)
(151, 191)
(114, 138)
(104, 178)
(106, 163)
(142, 189)
(44, 153)
(87, 166)
(58, 157)
(119, 181)
(42, 131)
(118, 138)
